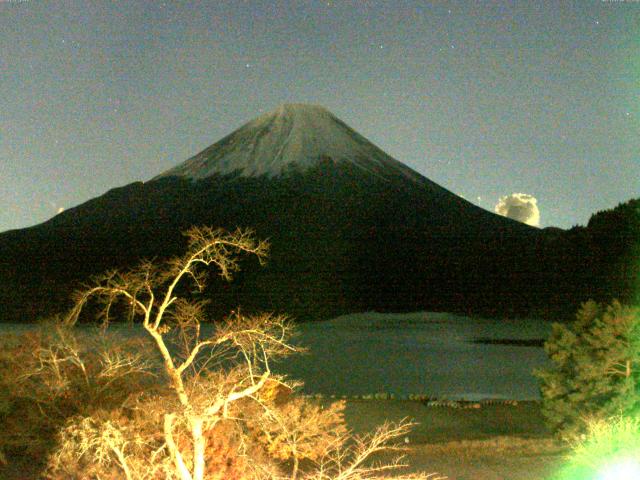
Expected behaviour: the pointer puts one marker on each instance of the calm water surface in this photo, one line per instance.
(430, 354)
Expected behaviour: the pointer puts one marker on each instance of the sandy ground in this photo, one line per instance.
(494, 442)
(504, 459)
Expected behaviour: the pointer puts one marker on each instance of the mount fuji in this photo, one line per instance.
(295, 134)
(351, 229)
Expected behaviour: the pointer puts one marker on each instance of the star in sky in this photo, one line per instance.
(484, 99)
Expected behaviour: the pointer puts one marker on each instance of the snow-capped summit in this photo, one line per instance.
(294, 134)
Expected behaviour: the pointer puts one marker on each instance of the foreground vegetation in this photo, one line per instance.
(177, 403)
(590, 394)
(596, 368)
(173, 403)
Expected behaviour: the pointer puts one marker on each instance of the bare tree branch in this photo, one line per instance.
(205, 399)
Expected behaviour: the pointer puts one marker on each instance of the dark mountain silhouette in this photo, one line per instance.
(351, 229)
(602, 260)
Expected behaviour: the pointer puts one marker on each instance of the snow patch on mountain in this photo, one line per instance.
(297, 135)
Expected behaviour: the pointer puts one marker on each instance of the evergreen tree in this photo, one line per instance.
(596, 367)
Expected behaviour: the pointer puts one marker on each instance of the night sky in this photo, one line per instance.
(485, 98)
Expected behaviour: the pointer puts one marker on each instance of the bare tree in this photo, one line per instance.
(216, 376)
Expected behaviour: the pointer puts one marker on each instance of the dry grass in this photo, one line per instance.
(506, 458)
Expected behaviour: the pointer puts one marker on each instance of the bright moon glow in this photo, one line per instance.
(628, 469)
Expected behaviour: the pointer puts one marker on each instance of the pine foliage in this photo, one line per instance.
(595, 367)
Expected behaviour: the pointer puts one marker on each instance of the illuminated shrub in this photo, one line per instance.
(609, 450)
(55, 373)
(596, 367)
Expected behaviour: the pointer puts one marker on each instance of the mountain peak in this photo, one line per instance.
(301, 109)
(294, 134)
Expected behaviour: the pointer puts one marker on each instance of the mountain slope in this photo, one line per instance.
(351, 229)
(294, 136)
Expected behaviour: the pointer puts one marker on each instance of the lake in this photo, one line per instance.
(423, 353)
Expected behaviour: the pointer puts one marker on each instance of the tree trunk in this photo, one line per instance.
(199, 445)
(181, 468)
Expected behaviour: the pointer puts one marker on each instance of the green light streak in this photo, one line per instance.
(621, 469)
